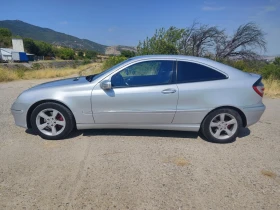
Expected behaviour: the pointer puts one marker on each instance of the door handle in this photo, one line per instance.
(168, 91)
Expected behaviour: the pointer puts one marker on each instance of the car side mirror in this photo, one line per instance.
(106, 85)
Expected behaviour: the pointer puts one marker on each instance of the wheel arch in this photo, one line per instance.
(240, 112)
(33, 106)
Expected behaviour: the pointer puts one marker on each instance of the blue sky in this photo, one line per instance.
(126, 22)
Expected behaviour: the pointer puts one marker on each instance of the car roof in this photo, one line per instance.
(230, 71)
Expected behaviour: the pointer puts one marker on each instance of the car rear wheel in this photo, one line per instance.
(222, 126)
(52, 121)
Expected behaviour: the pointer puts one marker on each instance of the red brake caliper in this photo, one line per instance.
(59, 117)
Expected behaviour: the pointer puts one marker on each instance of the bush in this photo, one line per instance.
(270, 71)
(128, 53)
(64, 53)
(36, 66)
(86, 61)
(5, 37)
(277, 61)
(112, 61)
(89, 54)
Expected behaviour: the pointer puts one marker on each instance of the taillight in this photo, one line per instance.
(259, 87)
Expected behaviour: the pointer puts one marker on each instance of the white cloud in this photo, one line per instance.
(209, 2)
(270, 8)
(63, 22)
(112, 29)
(212, 8)
(266, 9)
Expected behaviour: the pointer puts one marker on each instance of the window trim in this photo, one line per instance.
(202, 64)
(173, 77)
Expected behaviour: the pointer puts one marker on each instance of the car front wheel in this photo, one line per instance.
(222, 126)
(52, 121)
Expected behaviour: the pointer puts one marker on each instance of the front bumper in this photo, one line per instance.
(253, 113)
(19, 113)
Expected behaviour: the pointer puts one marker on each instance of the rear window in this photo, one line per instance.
(193, 72)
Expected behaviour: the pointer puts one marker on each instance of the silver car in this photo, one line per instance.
(162, 92)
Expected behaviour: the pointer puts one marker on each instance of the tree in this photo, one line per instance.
(242, 44)
(64, 53)
(189, 41)
(128, 53)
(173, 36)
(44, 49)
(30, 46)
(112, 61)
(81, 54)
(5, 37)
(185, 41)
(90, 54)
(5, 32)
(202, 40)
(162, 42)
(206, 41)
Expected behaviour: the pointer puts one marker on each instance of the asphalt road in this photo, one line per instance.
(137, 169)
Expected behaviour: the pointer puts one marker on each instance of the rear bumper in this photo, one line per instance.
(253, 113)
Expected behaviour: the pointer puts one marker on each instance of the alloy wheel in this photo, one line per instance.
(223, 126)
(50, 122)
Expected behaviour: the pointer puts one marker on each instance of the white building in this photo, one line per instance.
(6, 54)
(18, 45)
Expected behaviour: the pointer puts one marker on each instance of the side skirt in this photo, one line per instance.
(178, 127)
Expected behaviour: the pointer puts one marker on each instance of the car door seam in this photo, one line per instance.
(178, 95)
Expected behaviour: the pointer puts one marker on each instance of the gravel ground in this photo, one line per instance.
(137, 169)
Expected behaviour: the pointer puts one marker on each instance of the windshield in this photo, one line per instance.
(108, 70)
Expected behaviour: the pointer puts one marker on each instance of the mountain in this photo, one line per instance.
(116, 50)
(27, 30)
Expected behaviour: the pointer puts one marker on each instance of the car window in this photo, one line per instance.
(110, 69)
(193, 72)
(144, 74)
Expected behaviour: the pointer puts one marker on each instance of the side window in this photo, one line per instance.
(144, 74)
(193, 72)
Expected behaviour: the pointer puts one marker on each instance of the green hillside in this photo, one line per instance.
(26, 30)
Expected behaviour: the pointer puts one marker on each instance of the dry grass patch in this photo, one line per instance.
(49, 73)
(95, 68)
(7, 75)
(179, 161)
(272, 88)
(268, 174)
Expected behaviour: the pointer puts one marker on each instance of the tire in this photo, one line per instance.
(221, 131)
(52, 127)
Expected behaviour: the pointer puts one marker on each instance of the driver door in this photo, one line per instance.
(142, 93)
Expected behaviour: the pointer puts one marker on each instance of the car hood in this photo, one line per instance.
(62, 82)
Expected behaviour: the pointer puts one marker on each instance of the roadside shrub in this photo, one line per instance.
(36, 66)
(64, 53)
(86, 61)
(270, 71)
(20, 73)
(111, 61)
(277, 61)
(128, 53)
